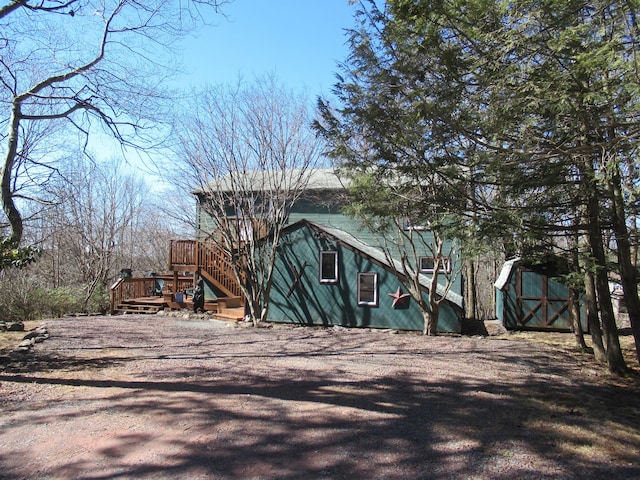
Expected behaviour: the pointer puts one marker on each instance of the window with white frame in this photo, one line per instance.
(329, 267)
(368, 289)
(427, 264)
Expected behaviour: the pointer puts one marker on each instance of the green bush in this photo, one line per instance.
(22, 298)
(99, 301)
(61, 301)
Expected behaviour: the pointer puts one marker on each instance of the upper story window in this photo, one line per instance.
(368, 289)
(245, 207)
(427, 264)
(329, 267)
(408, 224)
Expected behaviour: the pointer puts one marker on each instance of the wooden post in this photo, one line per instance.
(170, 255)
(175, 282)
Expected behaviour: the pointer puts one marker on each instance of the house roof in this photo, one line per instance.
(261, 180)
(376, 254)
(326, 179)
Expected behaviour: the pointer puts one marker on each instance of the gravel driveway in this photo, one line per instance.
(163, 397)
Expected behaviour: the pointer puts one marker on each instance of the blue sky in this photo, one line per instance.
(300, 41)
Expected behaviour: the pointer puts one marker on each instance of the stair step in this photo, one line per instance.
(230, 314)
(133, 308)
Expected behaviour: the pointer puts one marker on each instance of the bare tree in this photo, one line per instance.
(84, 64)
(51, 6)
(408, 243)
(247, 151)
(101, 220)
(411, 235)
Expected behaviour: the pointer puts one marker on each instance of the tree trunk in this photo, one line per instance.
(614, 357)
(625, 264)
(574, 298)
(591, 306)
(431, 327)
(576, 325)
(426, 322)
(615, 360)
(470, 292)
(430, 322)
(8, 204)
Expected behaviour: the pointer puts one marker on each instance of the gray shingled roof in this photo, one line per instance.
(259, 180)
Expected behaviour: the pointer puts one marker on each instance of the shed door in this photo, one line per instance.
(541, 302)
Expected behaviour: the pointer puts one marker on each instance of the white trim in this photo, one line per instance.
(505, 273)
(335, 267)
(445, 264)
(368, 303)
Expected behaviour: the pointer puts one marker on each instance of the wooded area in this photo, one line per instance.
(74, 76)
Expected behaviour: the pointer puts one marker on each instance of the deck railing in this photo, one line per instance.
(182, 253)
(209, 259)
(139, 287)
(218, 265)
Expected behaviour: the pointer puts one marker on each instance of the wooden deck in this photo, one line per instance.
(188, 261)
(228, 309)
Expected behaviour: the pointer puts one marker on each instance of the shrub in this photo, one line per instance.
(99, 301)
(23, 298)
(19, 299)
(61, 301)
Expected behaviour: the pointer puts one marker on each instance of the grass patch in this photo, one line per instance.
(10, 340)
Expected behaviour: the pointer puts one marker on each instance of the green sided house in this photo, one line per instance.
(328, 270)
(325, 276)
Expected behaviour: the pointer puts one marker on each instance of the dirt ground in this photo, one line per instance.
(163, 397)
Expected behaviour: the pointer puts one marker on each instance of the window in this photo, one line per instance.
(407, 225)
(368, 289)
(329, 267)
(245, 213)
(427, 264)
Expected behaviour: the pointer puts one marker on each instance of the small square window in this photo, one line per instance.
(427, 265)
(368, 289)
(329, 267)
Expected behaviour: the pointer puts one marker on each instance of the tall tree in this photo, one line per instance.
(247, 151)
(87, 63)
(518, 99)
(572, 103)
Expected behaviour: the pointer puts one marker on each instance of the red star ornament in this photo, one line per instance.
(399, 298)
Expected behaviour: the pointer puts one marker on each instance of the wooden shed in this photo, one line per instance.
(530, 298)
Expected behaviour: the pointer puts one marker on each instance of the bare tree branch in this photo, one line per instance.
(248, 153)
(60, 78)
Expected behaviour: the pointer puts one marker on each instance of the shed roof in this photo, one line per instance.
(505, 273)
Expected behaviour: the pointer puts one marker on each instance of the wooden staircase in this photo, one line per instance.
(207, 260)
(140, 305)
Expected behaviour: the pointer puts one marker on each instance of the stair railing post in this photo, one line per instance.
(171, 247)
(197, 254)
